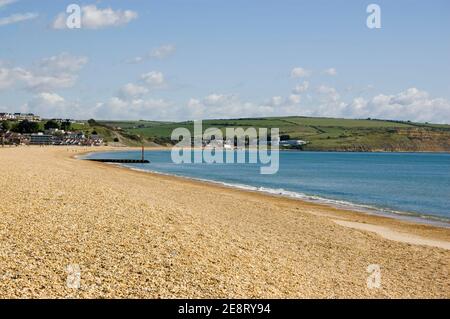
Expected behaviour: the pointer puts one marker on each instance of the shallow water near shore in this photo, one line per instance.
(405, 185)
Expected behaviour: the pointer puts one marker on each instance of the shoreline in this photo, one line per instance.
(341, 213)
(144, 235)
(366, 209)
(361, 217)
(417, 218)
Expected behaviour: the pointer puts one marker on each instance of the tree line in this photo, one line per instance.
(27, 127)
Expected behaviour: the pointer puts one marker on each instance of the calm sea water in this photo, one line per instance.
(404, 184)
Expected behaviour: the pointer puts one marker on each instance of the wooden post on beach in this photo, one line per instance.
(142, 152)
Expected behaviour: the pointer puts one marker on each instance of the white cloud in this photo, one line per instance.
(329, 93)
(43, 82)
(95, 18)
(410, 96)
(411, 104)
(282, 105)
(51, 73)
(219, 99)
(276, 101)
(60, 21)
(330, 71)
(18, 17)
(51, 98)
(132, 90)
(63, 62)
(212, 106)
(130, 103)
(300, 88)
(4, 3)
(135, 60)
(6, 78)
(153, 79)
(294, 99)
(136, 109)
(161, 52)
(218, 105)
(300, 73)
(52, 105)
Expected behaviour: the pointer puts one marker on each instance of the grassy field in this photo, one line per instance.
(324, 134)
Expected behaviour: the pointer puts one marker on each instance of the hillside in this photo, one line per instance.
(323, 134)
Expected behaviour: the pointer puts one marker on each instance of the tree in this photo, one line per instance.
(51, 124)
(92, 122)
(5, 125)
(66, 125)
(26, 127)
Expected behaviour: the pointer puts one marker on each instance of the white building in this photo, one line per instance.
(19, 117)
(293, 143)
(26, 116)
(6, 116)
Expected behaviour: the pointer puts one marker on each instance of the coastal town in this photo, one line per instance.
(30, 129)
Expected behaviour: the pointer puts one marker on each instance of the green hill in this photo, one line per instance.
(322, 134)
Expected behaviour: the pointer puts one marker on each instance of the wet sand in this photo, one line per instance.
(142, 235)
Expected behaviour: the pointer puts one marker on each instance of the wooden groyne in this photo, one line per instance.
(122, 161)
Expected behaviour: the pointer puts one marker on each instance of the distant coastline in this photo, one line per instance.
(296, 132)
(315, 133)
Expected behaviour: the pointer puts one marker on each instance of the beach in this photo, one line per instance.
(141, 235)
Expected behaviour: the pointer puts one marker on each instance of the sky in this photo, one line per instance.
(177, 60)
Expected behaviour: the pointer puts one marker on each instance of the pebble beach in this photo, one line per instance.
(140, 235)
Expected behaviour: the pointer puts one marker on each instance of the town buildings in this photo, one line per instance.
(53, 136)
(19, 117)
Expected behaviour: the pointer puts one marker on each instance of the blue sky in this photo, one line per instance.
(223, 59)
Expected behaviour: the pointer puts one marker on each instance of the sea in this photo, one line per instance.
(413, 186)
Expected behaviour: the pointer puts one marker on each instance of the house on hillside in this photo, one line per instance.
(6, 116)
(26, 117)
(292, 143)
